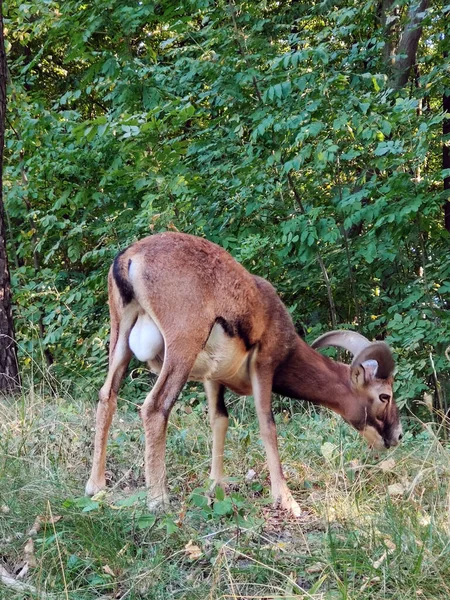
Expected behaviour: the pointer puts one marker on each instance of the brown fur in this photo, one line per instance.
(227, 328)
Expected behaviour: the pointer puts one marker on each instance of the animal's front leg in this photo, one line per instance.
(262, 393)
(218, 418)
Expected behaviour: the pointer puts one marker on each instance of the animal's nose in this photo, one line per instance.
(398, 438)
(395, 437)
(393, 441)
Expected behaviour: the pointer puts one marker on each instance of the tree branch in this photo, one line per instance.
(318, 256)
(241, 47)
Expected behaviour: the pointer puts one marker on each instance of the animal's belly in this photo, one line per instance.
(223, 358)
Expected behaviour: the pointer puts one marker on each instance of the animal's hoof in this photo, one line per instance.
(93, 487)
(287, 502)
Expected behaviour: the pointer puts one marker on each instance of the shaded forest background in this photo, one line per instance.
(308, 139)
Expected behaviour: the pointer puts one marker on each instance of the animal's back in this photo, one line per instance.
(193, 278)
(178, 258)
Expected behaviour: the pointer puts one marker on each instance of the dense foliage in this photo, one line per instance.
(273, 128)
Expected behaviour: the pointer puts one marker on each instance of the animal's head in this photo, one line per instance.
(371, 407)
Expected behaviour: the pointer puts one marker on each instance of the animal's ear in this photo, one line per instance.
(364, 373)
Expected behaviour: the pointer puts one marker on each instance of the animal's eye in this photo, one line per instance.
(384, 397)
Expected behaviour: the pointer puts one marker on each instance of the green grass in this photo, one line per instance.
(357, 538)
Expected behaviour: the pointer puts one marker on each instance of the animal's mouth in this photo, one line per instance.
(392, 443)
(374, 439)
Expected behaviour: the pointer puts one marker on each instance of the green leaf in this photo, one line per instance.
(219, 493)
(146, 521)
(223, 507)
(90, 506)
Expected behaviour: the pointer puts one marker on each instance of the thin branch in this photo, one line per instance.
(241, 47)
(347, 250)
(318, 256)
(12, 127)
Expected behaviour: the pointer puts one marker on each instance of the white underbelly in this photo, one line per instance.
(221, 358)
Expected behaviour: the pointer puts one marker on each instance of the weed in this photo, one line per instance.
(372, 526)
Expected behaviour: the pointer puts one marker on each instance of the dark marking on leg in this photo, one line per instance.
(165, 411)
(220, 407)
(270, 419)
(122, 282)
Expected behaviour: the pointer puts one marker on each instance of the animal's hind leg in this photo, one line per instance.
(218, 418)
(119, 359)
(155, 416)
(180, 355)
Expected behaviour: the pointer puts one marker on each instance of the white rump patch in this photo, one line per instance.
(146, 340)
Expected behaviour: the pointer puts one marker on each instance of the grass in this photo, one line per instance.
(372, 526)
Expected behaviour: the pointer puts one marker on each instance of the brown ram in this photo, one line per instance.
(187, 308)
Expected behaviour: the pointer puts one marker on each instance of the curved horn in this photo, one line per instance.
(361, 348)
(349, 340)
(380, 352)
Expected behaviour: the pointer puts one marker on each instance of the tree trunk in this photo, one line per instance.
(446, 159)
(408, 43)
(388, 22)
(9, 374)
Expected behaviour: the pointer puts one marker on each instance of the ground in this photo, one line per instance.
(373, 525)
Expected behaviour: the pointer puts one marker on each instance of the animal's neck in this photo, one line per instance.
(308, 375)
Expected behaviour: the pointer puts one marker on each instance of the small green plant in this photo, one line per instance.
(371, 525)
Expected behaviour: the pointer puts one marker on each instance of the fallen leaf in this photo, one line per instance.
(424, 519)
(387, 465)
(193, 552)
(28, 553)
(315, 568)
(369, 581)
(251, 474)
(23, 571)
(377, 563)
(40, 520)
(390, 545)
(36, 526)
(107, 569)
(396, 489)
(328, 449)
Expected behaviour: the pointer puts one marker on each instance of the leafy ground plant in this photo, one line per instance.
(372, 526)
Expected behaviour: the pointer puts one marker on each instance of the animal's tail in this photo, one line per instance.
(120, 273)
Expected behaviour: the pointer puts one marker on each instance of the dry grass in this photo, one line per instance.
(372, 527)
